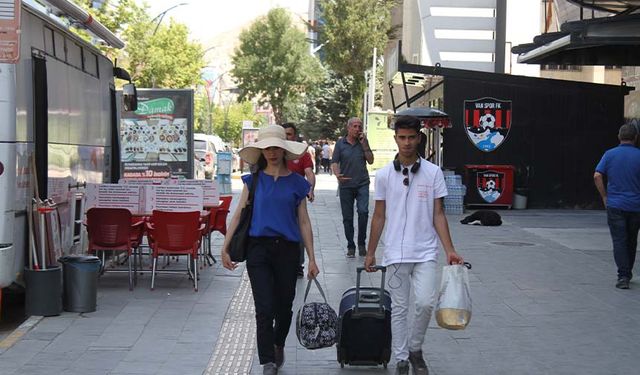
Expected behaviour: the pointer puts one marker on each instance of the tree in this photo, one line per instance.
(351, 30)
(328, 108)
(227, 120)
(162, 58)
(165, 58)
(272, 63)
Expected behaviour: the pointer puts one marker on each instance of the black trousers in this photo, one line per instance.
(272, 264)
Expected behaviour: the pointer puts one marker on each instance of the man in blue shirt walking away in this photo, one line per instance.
(621, 168)
(349, 164)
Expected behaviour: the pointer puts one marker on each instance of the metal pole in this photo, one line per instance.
(372, 82)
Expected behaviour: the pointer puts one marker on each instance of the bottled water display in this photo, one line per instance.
(454, 202)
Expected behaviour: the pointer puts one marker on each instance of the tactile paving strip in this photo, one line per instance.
(237, 341)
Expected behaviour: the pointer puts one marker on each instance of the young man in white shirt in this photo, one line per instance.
(413, 221)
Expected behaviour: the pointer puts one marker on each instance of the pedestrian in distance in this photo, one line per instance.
(326, 157)
(304, 167)
(620, 166)
(349, 164)
(409, 208)
(279, 223)
(318, 148)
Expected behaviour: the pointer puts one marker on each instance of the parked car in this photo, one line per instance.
(198, 170)
(235, 160)
(205, 152)
(206, 149)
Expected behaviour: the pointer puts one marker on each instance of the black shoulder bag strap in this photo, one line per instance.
(252, 191)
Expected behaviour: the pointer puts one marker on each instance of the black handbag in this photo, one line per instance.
(240, 239)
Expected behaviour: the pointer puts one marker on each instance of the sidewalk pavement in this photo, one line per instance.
(542, 284)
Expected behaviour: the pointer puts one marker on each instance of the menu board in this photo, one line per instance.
(177, 198)
(141, 181)
(211, 194)
(156, 140)
(114, 196)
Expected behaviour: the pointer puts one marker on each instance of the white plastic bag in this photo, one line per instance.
(454, 302)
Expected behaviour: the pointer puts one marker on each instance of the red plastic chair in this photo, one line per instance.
(110, 229)
(220, 222)
(175, 233)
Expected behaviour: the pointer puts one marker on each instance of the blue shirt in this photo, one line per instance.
(275, 205)
(352, 163)
(621, 165)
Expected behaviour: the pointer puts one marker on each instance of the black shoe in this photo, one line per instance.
(351, 253)
(402, 368)
(278, 355)
(623, 283)
(362, 250)
(269, 369)
(300, 272)
(418, 364)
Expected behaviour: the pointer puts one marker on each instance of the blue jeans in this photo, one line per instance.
(624, 226)
(360, 195)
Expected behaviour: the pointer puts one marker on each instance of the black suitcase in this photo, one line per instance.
(364, 325)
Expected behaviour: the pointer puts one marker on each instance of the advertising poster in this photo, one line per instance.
(380, 139)
(156, 141)
(249, 136)
(9, 31)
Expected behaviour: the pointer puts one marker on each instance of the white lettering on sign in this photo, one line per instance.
(488, 105)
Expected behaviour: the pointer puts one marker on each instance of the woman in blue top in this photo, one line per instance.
(279, 223)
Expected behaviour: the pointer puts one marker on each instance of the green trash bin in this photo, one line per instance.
(80, 282)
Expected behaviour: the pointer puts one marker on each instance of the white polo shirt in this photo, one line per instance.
(409, 235)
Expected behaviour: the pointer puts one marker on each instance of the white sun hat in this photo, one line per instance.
(272, 136)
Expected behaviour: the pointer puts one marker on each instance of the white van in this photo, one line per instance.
(206, 148)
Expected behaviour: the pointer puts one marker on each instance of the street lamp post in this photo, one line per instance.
(162, 14)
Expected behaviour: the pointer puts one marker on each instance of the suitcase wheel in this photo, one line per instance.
(384, 364)
(342, 365)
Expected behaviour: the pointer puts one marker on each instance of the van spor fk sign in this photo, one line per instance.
(488, 121)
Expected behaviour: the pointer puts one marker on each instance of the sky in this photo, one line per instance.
(208, 18)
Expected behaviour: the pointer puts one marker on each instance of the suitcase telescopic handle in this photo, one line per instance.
(381, 299)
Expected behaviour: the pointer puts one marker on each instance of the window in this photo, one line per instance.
(90, 63)
(48, 41)
(572, 68)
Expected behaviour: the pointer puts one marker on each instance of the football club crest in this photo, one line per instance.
(488, 121)
(490, 185)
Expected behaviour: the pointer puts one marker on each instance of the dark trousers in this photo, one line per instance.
(624, 226)
(360, 195)
(272, 264)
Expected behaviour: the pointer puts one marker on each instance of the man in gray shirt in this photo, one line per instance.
(348, 163)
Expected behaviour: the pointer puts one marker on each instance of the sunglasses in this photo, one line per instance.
(405, 172)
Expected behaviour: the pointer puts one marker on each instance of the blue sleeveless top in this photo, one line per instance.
(275, 205)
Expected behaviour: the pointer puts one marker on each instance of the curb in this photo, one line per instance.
(17, 334)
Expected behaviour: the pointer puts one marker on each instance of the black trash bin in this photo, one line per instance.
(43, 294)
(80, 281)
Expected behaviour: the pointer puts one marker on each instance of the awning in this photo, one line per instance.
(429, 117)
(611, 6)
(599, 41)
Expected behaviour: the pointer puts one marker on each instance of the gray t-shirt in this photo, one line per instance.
(350, 158)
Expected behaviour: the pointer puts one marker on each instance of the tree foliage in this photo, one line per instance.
(351, 30)
(227, 120)
(211, 119)
(162, 57)
(327, 108)
(272, 63)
